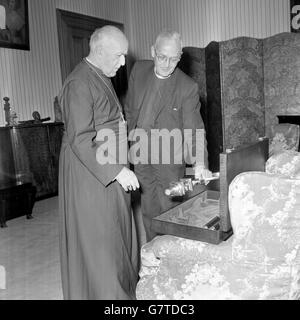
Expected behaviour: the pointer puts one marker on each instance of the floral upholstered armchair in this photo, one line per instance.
(284, 136)
(260, 261)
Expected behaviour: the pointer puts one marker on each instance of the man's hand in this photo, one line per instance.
(202, 173)
(127, 179)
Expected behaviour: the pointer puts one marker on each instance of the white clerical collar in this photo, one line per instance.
(88, 60)
(161, 77)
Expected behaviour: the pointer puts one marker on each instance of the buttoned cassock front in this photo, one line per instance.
(97, 240)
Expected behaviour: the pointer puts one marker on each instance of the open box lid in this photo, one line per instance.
(233, 162)
(251, 157)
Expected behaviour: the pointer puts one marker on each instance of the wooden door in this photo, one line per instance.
(74, 31)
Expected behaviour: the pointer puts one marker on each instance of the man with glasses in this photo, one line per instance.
(162, 97)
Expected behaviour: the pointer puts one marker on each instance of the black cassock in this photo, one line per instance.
(98, 245)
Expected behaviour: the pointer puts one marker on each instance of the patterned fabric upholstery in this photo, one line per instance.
(260, 261)
(281, 70)
(285, 163)
(284, 136)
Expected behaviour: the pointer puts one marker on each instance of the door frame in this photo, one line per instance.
(67, 19)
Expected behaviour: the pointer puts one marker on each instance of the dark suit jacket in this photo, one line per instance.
(179, 106)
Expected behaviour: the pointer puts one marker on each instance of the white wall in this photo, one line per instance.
(201, 21)
(32, 78)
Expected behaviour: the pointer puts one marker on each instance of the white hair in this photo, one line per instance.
(168, 35)
(103, 34)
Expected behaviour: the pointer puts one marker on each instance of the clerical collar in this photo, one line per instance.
(98, 69)
(161, 77)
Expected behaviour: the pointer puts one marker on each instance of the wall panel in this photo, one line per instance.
(32, 78)
(201, 21)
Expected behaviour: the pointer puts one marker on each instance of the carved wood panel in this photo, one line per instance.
(281, 76)
(242, 90)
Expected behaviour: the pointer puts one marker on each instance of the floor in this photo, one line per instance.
(29, 255)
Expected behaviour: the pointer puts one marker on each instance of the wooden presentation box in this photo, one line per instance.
(205, 216)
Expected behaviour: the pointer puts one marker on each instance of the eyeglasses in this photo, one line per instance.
(163, 59)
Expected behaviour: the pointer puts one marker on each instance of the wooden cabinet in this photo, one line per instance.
(31, 153)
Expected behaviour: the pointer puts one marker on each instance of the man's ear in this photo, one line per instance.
(152, 52)
(99, 51)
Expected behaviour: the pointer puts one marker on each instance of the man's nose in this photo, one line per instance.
(122, 60)
(167, 63)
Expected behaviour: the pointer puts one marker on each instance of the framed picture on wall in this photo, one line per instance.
(14, 28)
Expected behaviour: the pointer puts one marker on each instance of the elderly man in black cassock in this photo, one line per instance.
(97, 243)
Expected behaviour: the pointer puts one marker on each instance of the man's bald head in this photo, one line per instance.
(104, 36)
(108, 47)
